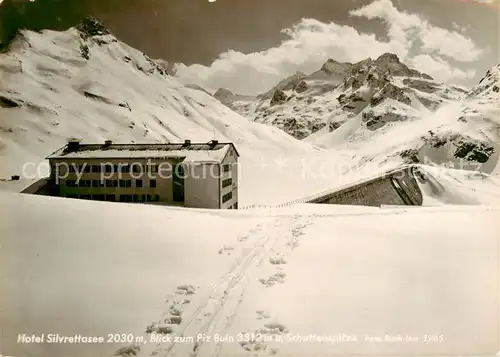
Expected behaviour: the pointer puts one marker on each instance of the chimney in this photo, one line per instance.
(73, 145)
(15, 177)
(108, 142)
(186, 143)
(213, 142)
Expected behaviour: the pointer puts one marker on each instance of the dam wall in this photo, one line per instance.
(398, 187)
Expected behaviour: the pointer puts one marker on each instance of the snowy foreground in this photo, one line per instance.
(351, 280)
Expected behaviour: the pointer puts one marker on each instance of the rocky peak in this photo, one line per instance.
(224, 95)
(333, 67)
(167, 66)
(279, 97)
(289, 83)
(339, 91)
(90, 27)
(391, 65)
(489, 85)
(223, 92)
(388, 58)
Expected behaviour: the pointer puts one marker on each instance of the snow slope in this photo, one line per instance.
(94, 268)
(84, 83)
(458, 187)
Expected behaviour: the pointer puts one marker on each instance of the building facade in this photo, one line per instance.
(197, 175)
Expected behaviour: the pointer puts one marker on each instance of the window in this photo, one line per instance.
(124, 168)
(138, 183)
(152, 183)
(148, 198)
(96, 168)
(71, 183)
(156, 198)
(111, 183)
(126, 198)
(226, 168)
(227, 197)
(125, 183)
(153, 168)
(98, 197)
(227, 182)
(108, 168)
(97, 183)
(235, 206)
(110, 198)
(85, 183)
(136, 168)
(54, 170)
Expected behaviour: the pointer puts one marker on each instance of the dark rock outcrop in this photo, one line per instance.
(421, 85)
(301, 87)
(333, 125)
(6, 102)
(279, 97)
(391, 63)
(393, 92)
(297, 127)
(474, 151)
(84, 50)
(97, 97)
(410, 156)
(90, 27)
(376, 121)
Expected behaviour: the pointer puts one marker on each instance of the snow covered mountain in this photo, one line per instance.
(385, 109)
(375, 115)
(303, 104)
(84, 83)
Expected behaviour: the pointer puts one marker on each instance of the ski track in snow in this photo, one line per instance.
(215, 312)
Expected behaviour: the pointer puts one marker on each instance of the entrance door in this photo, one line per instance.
(178, 183)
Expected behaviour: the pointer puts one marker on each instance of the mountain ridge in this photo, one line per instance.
(339, 90)
(84, 83)
(346, 104)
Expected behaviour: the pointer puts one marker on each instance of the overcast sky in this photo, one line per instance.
(249, 45)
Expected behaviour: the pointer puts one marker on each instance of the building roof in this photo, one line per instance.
(188, 152)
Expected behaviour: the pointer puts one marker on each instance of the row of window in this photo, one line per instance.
(227, 197)
(227, 182)
(121, 198)
(108, 183)
(109, 168)
(120, 168)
